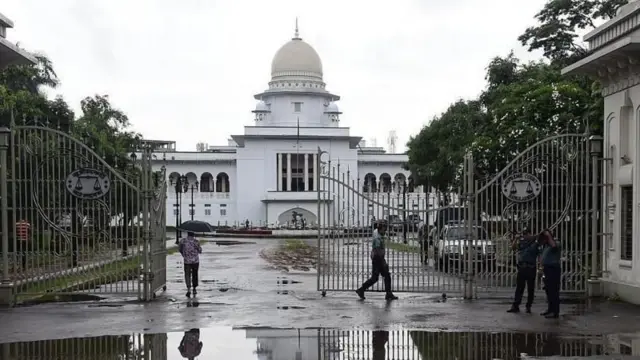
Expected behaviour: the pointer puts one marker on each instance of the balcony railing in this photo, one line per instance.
(202, 195)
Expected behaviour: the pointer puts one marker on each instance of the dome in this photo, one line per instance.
(296, 59)
(333, 108)
(261, 106)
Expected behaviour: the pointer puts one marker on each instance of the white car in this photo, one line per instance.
(454, 242)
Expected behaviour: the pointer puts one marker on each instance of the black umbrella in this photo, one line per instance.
(196, 226)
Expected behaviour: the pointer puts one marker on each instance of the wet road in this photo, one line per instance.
(326, 344)
(240, 289)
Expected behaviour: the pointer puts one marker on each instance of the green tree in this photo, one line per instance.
(44, 158)
(559, 21)
(22, 96)
(436, 153)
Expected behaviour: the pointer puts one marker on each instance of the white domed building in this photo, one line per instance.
(268, 173)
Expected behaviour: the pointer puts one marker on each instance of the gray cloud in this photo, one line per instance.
(195, 64)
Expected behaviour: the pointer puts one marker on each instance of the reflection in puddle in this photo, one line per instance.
(324, 344)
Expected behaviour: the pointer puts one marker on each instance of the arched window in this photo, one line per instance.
(385, 182)
(206, 182)
(370, 183)
(222, 183)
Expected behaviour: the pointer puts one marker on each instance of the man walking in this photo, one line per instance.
(378, 264)
(190, 249)
(528, 252)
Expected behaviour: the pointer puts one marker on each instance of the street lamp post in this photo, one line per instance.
(193, 187)
(404, 211)
(180, 185)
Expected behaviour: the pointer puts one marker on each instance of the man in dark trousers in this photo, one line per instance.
(379, 340)
(551, 263)
(528, 251)
(190, 249)
(378, 263)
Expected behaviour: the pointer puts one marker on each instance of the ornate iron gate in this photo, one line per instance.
(347, 207)
(73, 223)
(553, 185)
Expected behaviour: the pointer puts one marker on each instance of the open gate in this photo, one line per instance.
(464, 247)
(72, 223)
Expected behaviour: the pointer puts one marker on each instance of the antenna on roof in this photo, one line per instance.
(296, 35)
(392, 140)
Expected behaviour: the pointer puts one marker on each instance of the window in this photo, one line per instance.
(626, 223)
(207, 212)
(297, 107)
(223, 209)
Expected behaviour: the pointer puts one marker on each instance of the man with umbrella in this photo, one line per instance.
(190, 346)
(190, 249)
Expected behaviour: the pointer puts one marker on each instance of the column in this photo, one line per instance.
(306, 172)
(279, 171)
(316, 178)
(288, 172)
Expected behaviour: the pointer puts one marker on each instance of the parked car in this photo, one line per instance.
(454, 242)
(395, 223)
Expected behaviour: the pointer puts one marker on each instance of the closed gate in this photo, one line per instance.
(91, 227)
(435, 248)
(554, 184)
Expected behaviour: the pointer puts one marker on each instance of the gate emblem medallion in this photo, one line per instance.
(521, 187)
(88, 184)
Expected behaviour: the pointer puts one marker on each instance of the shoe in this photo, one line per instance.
(528, 309)
(360, 293)
(194, 292)
(390, 297)
(552, 316)
(545, 313)
(188, 294)
(514, 310)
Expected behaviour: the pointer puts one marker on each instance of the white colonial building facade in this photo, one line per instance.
(615, 61)
(270, 171)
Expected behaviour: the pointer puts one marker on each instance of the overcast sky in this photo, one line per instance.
(187, 70)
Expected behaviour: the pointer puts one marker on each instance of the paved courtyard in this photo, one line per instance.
(241, 294)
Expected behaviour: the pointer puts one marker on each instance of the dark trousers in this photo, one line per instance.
(552, 276)
(23, 249)
(380, 267)
(191, 275)
(526, 277)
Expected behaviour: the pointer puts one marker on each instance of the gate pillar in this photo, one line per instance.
(594, 286)
(469, 195)
(6, 285)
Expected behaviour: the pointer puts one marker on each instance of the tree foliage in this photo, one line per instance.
(521, 104)
(103, 128)
(559, 21)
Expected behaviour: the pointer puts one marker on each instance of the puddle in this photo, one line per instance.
(219, 343)
(61, 298)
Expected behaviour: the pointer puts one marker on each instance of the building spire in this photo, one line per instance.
(296, 35)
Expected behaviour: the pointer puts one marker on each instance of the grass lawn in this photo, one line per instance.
(402, 247)
(105, 274)
(295, 245)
